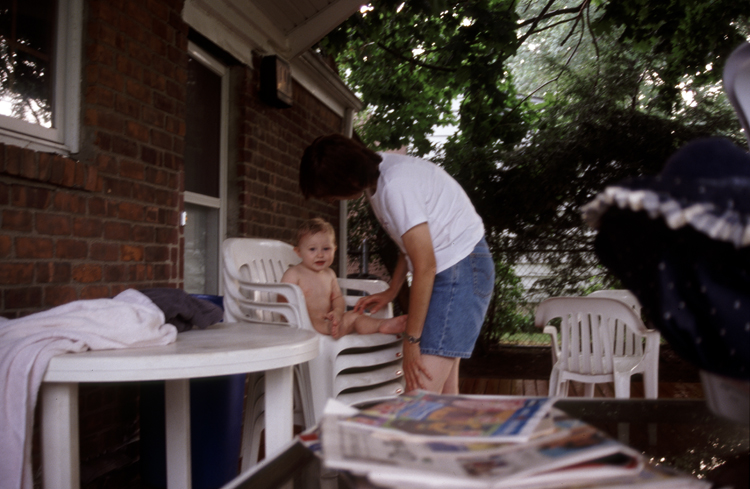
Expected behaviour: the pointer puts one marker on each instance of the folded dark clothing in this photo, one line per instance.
(183, 310)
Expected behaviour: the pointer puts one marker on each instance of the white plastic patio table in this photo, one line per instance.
(221, 349)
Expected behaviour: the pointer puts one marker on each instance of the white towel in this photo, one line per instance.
(27, 344)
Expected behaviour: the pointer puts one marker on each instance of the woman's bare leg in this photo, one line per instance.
(444, 372)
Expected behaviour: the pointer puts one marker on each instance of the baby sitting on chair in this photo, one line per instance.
(316, 245)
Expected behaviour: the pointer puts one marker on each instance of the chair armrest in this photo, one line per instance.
(291, 292)
(294, 315)
(369, 287)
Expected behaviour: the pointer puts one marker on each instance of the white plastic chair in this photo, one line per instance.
(736, 78)
(353, 369)
(586, 351)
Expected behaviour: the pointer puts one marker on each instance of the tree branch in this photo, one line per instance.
(411, 60)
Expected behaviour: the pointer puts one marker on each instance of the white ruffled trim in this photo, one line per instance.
(705, 217)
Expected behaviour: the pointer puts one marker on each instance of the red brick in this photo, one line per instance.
(87, 273)
(116, 231)
(131, 253)
(105, 252)
(143, 234)
(69, 172)
(152, 214)
(128, 107)
(95, 292)
(132, 169)
(29, 168)
(138, 91)
(53, 272)
(157, 254)
(103, 141)
(16, 273)
(27, 247)
(141, 272)
(166, 198)
(116, 187)
(87, 228)
(161, 139)
(115, 273)
(162, 272)
(58, 295)
(153, 117)
(109, 121)
(131, 211)
(98, 53)
(55, 224)
(129, 67)
(110, 78)
(167, 236)
(143, 193)
(106, 164)
(23, 298)
(45, 166)
(136, 131)
(98, 95)
(6, 245)
(93, 183)
(15, 220)
(97, 207)
(80, 179)
(69, 202)
(160, 10)
(35, 198)
(124, 146)
(71, 249)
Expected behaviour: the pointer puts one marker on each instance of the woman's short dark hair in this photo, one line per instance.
(336, 166)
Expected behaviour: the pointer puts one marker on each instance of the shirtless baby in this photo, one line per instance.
(316, 245)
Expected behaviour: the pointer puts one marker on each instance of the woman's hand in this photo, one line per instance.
(373, 302)
(414, 370)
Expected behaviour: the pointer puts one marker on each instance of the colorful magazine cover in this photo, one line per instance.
(570, 450)
(458, 417)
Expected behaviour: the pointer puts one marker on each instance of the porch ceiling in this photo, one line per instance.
(283, 27)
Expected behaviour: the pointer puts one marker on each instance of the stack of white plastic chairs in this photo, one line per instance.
(353, 369)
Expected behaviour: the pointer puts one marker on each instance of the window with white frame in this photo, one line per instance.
(204, 219)
(40, 67)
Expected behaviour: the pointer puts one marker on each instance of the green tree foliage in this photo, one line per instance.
(555, 101)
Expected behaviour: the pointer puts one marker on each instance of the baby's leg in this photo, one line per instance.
(364, 324)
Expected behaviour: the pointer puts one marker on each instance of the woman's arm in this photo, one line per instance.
(418, 244)
(376, 302)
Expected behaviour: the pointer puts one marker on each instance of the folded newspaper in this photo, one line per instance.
(430, 441)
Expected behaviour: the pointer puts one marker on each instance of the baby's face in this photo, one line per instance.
(316, 251)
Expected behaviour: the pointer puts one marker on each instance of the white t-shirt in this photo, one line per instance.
(412, 191)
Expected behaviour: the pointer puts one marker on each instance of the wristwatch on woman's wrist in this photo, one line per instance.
(411, 339)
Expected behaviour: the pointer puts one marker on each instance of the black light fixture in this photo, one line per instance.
(276, 82)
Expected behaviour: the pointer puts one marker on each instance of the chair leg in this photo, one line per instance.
(554, 383)
(622, 386)
(650, 386)
(588, 389)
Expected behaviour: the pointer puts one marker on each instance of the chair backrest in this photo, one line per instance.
(622, 295)
(627, 341)
(737, 84)
(585, 330)
(259, 260)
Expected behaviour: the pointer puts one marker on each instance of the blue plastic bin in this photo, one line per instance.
(215, 428)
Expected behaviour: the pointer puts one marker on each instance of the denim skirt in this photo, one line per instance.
(460, 297)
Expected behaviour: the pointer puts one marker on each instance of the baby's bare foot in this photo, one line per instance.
(393, 325)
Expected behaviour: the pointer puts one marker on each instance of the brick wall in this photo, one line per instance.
(270, 148)
(93, 224)
(104, 220)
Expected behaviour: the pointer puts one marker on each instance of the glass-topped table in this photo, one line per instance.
(681, 433)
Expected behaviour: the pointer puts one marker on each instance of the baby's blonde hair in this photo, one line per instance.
(314, 226)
